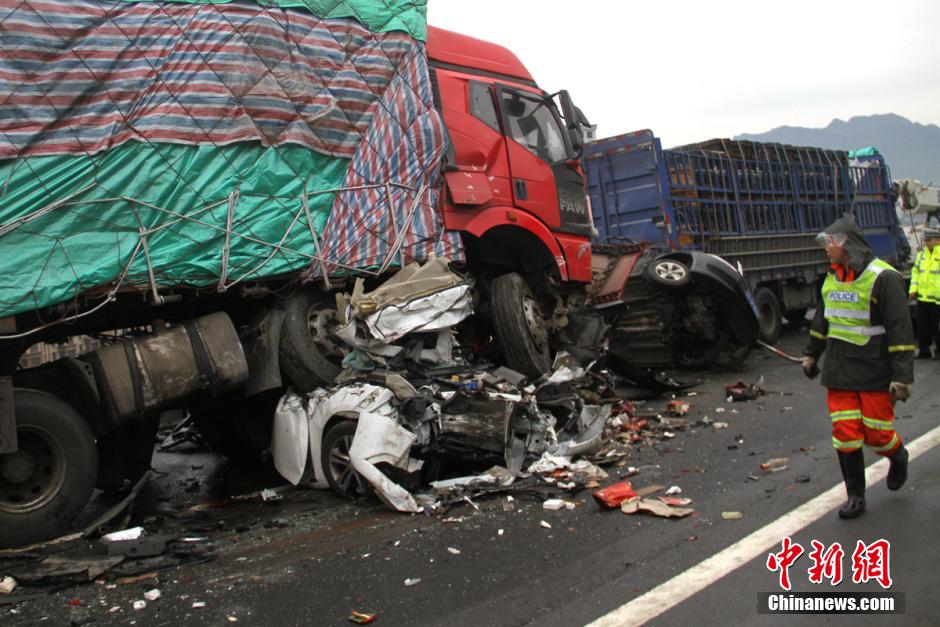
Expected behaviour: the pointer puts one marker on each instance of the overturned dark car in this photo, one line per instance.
(686, 309)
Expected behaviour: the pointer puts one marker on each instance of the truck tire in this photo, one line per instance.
(309, 357)
(337, 467)
(769, 315)
(521, 328)
(669, 273)
(48, 481)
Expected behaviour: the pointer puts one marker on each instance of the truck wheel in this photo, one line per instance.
(337, 467)
(769, 315)
(667, 273)
(48, 481)
(309, 356)
(520, 325)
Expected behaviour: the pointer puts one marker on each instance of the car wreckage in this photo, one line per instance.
(411, 396)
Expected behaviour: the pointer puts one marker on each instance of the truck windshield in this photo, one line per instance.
(532, 123)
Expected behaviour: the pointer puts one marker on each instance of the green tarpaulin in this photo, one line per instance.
(86, 240)
(379, 16)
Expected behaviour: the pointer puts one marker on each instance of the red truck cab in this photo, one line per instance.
(515, 188)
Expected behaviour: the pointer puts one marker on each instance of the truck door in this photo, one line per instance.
(545, 179)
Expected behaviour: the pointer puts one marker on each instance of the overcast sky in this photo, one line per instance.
(692, 70)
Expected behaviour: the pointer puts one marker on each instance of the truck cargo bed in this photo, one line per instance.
(757, 204)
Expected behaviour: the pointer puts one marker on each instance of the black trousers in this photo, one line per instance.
(928, 318)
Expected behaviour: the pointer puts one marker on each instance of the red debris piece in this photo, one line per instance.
(677, 408)
(613, 495)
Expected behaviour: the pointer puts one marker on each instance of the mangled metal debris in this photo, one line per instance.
(409, 395)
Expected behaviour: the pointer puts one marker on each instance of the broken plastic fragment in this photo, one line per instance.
(545, 524)
(654, 507)
(677, 408)
(553, 504)
(7, 585)
(270, 495)
(139, 605)
(125, 534)
(675, 501)
(411, 582)
(775, 465)
(362, 618)
(741, 391)
(673, 490)
(152, 595)
(453, 551)
(613, 495)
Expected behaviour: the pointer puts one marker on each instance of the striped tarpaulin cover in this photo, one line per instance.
(82, 76)
(206, 132)
(405, 145)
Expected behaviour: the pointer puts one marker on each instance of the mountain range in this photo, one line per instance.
(911, 150)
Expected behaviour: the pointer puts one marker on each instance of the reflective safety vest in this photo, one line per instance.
(848, 305)
(920, 275)
(930, 278)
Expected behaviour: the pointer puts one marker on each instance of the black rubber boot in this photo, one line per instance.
(897, 473)
(853, 473)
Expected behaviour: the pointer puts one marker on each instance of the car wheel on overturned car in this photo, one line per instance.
(667, 273)
(521, 327)
(50, 478)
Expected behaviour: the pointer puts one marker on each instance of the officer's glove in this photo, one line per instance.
(810, 369)
(901, 391)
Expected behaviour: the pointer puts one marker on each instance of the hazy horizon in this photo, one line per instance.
(691, 71)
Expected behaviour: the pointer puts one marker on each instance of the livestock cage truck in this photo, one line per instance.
(757, 205)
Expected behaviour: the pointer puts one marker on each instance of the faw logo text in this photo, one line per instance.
(843, 297)
(571, 202)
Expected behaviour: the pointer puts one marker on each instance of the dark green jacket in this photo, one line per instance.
(886, 358)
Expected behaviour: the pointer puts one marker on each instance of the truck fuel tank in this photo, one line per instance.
(154, 372)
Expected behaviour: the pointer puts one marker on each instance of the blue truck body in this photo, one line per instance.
(757, 205)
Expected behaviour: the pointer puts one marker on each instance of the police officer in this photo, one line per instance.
(925, 288)
(862, 324)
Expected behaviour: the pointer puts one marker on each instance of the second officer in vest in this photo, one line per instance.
(925, 287)
(863, 325)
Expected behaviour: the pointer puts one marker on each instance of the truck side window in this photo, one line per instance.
(532, 124)
(481, 105)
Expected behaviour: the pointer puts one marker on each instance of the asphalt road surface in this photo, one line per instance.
(310, 559)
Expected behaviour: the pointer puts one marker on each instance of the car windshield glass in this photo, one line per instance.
(532, 123)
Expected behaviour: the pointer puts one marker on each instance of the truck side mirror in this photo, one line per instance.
(573, 120)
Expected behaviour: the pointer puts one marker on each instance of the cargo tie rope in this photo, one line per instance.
(360, 233)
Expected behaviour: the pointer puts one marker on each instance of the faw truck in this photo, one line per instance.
(756, 205)
(192, 184)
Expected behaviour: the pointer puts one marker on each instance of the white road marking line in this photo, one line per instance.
(669, 594)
